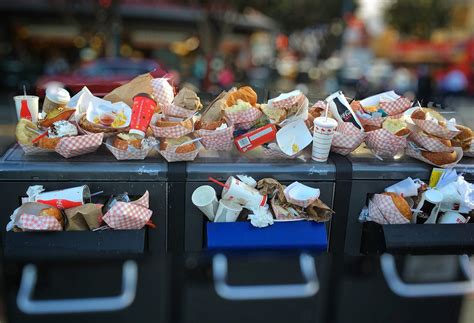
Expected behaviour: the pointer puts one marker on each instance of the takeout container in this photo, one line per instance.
(130, 154)
(177, 111)
(429, 143)
(432, 127)
(244, 119)
(384, 143)
(221, 139)
(382, 210)
(172, 156)
(129, 216)
(347, 138)
(415, 152)
(176, 131)
(293, 138)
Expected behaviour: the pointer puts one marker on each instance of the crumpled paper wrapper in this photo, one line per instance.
(286, 211)
(167, 132)
(415, 152)
(126, 92)
(176, 111)
(319, 212)
(382, 210)
(385, 144)
(429, 143)
(222, 139)
(31, 222)
(271, 187)
(129, 216)
(132, 153)
(244, 119)
(346, 138)
(298, 111)
(433, 128)
(32, 208)
(84, 217)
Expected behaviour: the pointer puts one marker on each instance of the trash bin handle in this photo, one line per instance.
(76, 305)
(403, 289)
(254, 292)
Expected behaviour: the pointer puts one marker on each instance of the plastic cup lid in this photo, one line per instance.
(58, 95)
(433, 196)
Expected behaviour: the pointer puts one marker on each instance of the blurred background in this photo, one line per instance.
(420, 48)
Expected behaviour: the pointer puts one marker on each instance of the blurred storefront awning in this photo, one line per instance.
(57, 33)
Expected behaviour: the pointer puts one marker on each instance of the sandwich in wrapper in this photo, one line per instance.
(130, 147)
(390, 139)
(241, 107)
(170, 127)
(179, 149)
(465, 140)
(286, 108)
(184, 105)
(434, 124)
(347, 138)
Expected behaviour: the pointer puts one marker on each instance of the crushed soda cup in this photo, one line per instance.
(65, 199)
(241, 193)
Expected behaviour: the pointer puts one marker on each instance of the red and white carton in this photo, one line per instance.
(255, 138)
(243, 194)
(383, 211)
(65, 199)
(30, 222)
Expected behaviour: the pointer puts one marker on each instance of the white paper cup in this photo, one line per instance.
(407, 187)
(205, 199)
(322, 138)
(65, 199)
(227, 211)
(452, 217)
(28, 101)
(243, 194)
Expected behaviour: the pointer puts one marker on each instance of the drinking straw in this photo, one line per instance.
(39, 137)
(218, 183)
(326, 111)
(24, 89)
(97, 193)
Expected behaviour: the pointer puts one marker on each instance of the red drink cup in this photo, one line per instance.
(143, 108)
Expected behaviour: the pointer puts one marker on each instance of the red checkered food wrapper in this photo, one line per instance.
(168, 132)
(383, 211)
(395, 107)
(244, 119)
(433, 128)
(132, 153)
(415, 152)
(79, 145)
(221, 139)
(429, 143)
(30, 222)
(172, 156)
(176, 111)
(384, 143)
(347, 138)
(374, 121)
(34, 150)
(287, 100)
(162, 91)
(129, 216)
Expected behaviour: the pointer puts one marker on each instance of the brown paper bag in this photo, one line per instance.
(319, 212)
(126, 92)
(84, 217)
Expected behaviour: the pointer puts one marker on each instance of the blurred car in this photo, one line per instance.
(101, 76)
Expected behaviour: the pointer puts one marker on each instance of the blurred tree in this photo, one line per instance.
(418, 17)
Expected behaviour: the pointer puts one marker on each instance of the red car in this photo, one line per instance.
(101, 76)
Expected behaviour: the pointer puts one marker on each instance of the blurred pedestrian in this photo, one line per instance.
(424, 92)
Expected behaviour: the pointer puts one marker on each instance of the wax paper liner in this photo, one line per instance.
(34, 150)
(217, 139)
(171, 156)
(383, 143)
(107, 134)
(79, 145)
(416, 153)
(347, 138)
(281, 216)
(288, 102)
(176, 111)
(129, 216)
(429, 143)
(383, 211)
(433, 128)
(133, 154)
(398, 106)
(30, 222)
(162, 92)
(168, 132)
(244, 117)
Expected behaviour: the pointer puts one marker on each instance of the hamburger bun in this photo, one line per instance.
(418, 114)
(396, 126)
(26, 131)
(211, 125)
(167, 122)
(123, 141)
(465, 134)
(401, 204)
(275, 114)
(441, 158)
(169, 143)
(245, 93)
(54, 212)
